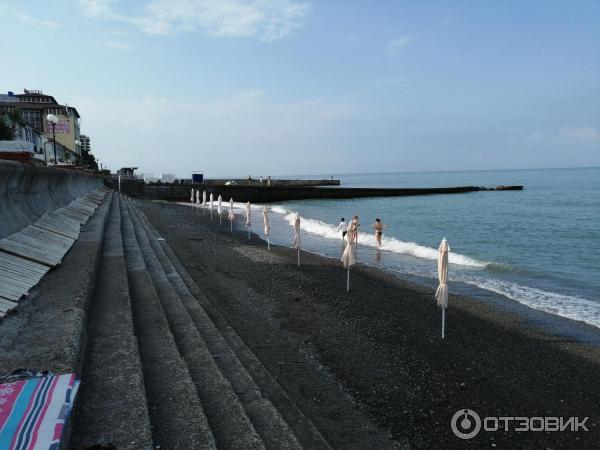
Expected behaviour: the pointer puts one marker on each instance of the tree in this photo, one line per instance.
(9, 120)
(7, 132)
(89, 161)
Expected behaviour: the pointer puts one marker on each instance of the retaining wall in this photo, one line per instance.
(27, 192)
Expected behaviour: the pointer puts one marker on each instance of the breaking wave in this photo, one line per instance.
(389, 244)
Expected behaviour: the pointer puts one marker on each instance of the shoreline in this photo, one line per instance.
(380, 343)
(550, 323)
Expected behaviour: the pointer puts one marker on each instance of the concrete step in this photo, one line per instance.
(228, 419)
(176, 414)
(111, 404)
(284, 427)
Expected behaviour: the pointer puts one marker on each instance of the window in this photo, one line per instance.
(33, 118)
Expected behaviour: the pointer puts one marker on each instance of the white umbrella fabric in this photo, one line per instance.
(198, 196)
(219, 207)
(441, 294)
(231, 214)
(297, 243)
(348, 260)
(267, 227)
(203, 198)
(192, 196)
(248, 218)
(210, 206)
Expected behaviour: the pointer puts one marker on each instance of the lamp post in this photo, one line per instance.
(77, 144)
(53, 120)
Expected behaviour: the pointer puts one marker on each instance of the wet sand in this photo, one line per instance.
(368, 367)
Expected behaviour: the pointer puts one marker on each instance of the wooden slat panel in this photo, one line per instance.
(71, 214)
(33, 249)
(26, 256)
(18, 276)
(47, 236)
(84, 202)
(58, 223)
(82, 206)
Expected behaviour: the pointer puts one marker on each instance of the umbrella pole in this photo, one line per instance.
(248, 233)
(220, 220)
(268, 244)
(348, 282)
(211, 214)
(231, 226)
(298, 256)
(443, 322)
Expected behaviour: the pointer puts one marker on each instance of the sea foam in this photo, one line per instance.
(389, 244)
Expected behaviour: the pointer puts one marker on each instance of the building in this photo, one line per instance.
(85, 143)
(127, 173)
(27, 139)
(34, 107)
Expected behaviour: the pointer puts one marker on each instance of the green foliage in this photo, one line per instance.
(89, 161)
(7, 131)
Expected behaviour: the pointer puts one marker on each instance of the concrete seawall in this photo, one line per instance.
(264, 194)
(27, 192)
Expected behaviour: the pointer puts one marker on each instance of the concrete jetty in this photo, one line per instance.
(266, 194)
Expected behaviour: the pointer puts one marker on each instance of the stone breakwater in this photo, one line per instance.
(265, 194)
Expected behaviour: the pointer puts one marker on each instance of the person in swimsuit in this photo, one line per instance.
(378, 226)
(343, 228)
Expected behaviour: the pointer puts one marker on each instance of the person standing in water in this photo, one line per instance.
(378, 226)
(343, 227)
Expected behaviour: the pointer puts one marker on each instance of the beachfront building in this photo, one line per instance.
(85, 143)
(34, 106)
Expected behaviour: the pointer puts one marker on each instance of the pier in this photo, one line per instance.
(267, 194)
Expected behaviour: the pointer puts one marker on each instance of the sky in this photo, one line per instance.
(269, 87)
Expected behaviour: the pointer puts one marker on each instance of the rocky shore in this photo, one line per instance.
(368, 367)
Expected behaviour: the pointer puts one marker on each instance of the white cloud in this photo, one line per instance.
(566, 135)
(267, 20)
(119, 45)
(35, 21)
(97, 8)
(395, 45)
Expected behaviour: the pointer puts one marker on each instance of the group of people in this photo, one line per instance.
(261, 180)
(351, 229)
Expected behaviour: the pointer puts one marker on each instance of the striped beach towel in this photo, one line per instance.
(33, 411)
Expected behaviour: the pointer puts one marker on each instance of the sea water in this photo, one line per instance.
(539, 246)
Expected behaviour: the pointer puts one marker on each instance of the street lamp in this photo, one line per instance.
(53, 120)
(77, 144)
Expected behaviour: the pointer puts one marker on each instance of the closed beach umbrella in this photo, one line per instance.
(248, 218)
(231, 214)
(441, 294)
(219, 207)
(203, 198)
(348, 259)
(267, 227)
(198, 196)
(192, 196)
(210, 205)
(297, 243)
